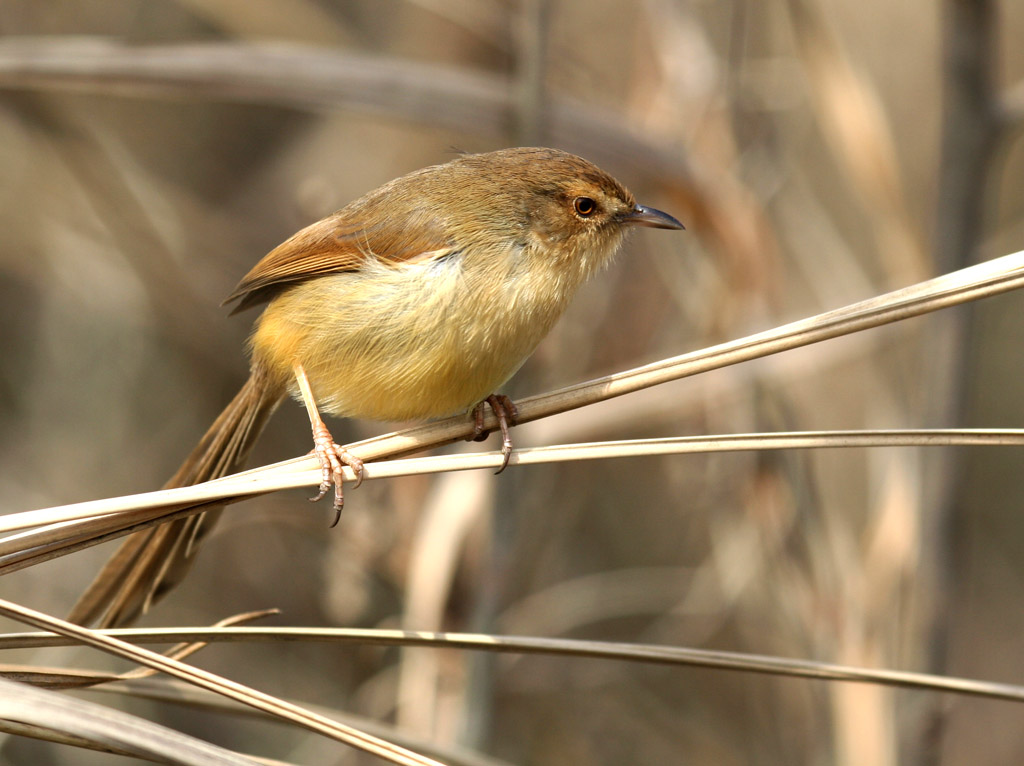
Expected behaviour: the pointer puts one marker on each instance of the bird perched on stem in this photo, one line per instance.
(416, 301)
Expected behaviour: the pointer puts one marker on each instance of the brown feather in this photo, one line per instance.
(153, 561)
(338, 244)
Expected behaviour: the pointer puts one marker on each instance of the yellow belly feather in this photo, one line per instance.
(405, 345)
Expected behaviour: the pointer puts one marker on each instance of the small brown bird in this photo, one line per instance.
(416, 301)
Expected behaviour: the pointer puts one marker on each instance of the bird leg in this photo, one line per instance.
(332, 456)
(505, 411)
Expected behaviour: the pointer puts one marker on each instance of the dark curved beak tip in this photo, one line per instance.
(648, 216)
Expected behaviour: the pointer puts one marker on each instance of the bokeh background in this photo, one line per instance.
(819, 151)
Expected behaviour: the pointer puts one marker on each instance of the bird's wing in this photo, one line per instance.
(338, 244)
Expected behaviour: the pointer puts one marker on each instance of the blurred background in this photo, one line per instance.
(819, 151)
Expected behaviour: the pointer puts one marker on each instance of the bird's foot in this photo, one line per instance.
(505, 411)
(333, 457)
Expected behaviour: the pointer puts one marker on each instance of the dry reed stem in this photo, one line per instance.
(53, 717)
(608, 650)
(303, 472)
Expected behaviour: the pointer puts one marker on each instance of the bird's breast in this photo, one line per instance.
(417, 341)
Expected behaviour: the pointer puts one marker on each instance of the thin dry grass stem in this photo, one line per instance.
(54, 717)
(59, 738)
(214, 683)
(169, 691)
(185, 649)
(34, 547)
(182, 694)
(644, 653)
(62, 738)
(55, 678)
(291, 474)
(63, 678)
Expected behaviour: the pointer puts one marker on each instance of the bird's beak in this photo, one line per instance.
(648, 216)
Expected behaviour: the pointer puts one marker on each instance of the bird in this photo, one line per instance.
(418, 300)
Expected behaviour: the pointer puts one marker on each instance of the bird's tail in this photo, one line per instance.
(153, 561)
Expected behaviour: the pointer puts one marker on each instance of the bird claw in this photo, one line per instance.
(333, 457)
(507, 413)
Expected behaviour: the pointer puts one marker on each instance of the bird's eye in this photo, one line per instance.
(584, 206)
